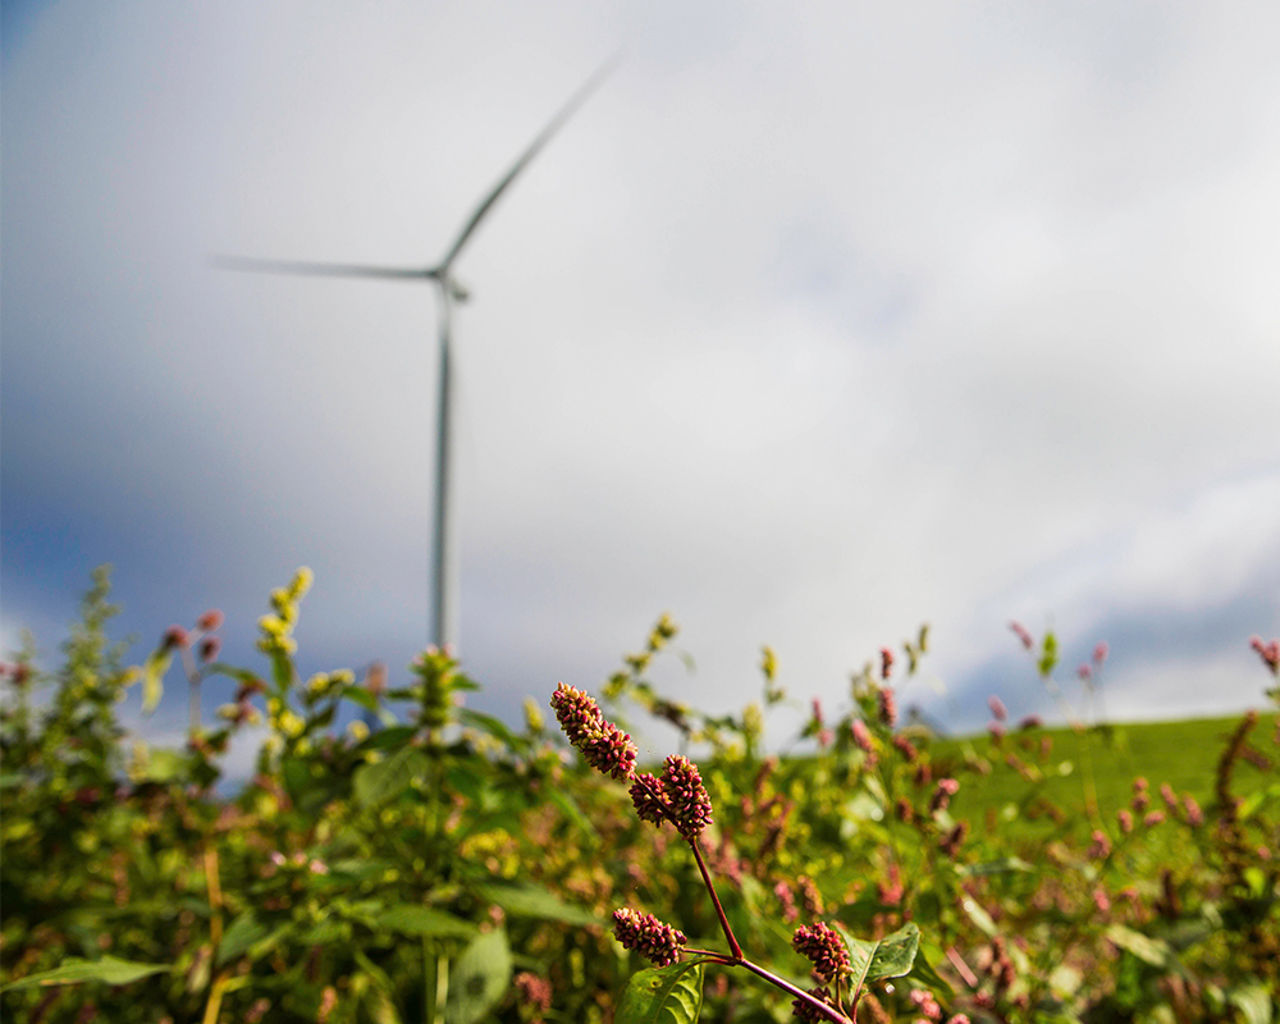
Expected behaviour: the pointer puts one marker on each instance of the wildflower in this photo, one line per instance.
(209, 648)
(787, 900)
(1168, 796)
(209, 621)
(1100, 849)
(1101, 900)
(888, 707)
(649, 799)
(1126, 821)
(950, 844)
(174, 636)
(905, 748)
(806, 1011)
(923, 1000)
(604, 746)
(534, 991)
(997, 707)
(886, 662)
(1268, 652)
(1031, 722)
(996, 730)
(1195, 816)
(1021, 632)
(809, 896)
(646, 935)
(946, 789)
(1153, 819)
(959, 1018)
(1100, 653)
(687, 797)
(824, 948)
(1085, 672)
(861, 735)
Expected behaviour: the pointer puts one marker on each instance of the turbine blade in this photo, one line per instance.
(524, 160)
(309, 269)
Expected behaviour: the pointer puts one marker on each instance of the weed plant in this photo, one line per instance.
(443, 866)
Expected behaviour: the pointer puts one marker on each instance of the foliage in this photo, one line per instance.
(443, 866)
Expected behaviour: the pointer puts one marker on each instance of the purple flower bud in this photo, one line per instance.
(602, 744)
(997, 707)
(946, 789)
(649, 799)
(824, 948)
(888, 707)
(209, 621)
(1100, 849)
(686, 796)
(646, 935)
(861, 735)
(807, 1012)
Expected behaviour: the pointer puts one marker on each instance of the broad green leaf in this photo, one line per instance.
(890, 957)
(663, 995)
(243, 932)
(418, 921)
(923, 970)
(153, 671)
(535, 901)
(480, 978)
(74, 971)
(376, 783)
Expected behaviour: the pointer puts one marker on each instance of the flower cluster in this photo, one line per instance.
(888, 707)
(806, 1011)
(824, 947)
(646, 935)
(604, 746)
(1268, 652)
(679, 797)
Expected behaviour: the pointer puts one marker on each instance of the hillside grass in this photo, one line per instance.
(1183, 753)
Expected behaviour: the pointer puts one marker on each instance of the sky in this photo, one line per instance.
(809, 327)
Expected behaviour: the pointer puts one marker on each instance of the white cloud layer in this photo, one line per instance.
(807, 328)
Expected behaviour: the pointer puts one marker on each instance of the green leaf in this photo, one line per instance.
(243, 932)
(1156, 952)
(535, 901)
(493, 726)
(1254, 1001)
(74, 971)
(480, 978)
(923, 970)
(418, 921)
(386, 739)
(376, 783)
(153, 671)
(663, 995)
(890, 957)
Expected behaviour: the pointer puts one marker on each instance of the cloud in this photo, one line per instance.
(803, 329)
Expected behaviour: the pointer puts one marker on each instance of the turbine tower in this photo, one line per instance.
(443, 540)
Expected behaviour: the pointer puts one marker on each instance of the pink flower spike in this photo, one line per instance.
(1100, 653)
(825, 949)
(997, 707)
(1022, 634)
(646, 935)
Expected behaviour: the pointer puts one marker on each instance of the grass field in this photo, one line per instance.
(1183, 753)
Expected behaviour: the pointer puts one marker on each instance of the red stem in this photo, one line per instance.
(724, 921)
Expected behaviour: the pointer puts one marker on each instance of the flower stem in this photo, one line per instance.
(715, 899)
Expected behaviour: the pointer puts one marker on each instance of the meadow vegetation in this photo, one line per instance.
(443, 866)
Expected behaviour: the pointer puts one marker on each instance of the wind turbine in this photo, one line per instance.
(443, 550)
